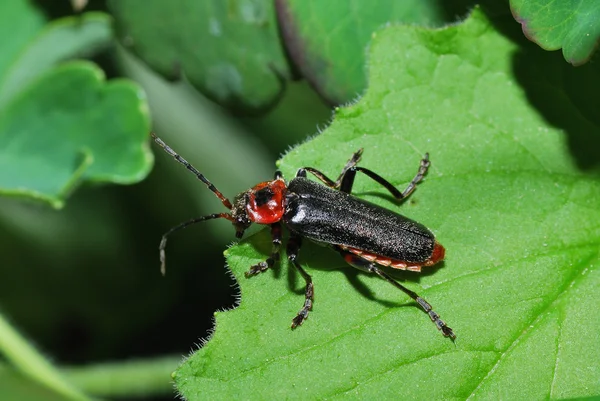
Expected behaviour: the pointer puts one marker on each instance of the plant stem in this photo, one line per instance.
(28, 360)
(135, 378)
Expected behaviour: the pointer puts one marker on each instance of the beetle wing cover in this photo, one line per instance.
(329, 216)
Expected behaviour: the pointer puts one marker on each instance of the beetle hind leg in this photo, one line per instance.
(371, 267)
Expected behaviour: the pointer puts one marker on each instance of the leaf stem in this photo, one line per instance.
(26, 358)
(135, 378)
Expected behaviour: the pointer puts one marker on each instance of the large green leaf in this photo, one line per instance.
(63, 124)
(505, 195)
(72, 126)
(327, 40)
(228, 50)
(573, 25)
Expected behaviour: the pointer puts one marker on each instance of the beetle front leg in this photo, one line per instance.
(370, 267)
(293, 247)
(350, 174)
(345, 181)
(328, 181)
(270, 262)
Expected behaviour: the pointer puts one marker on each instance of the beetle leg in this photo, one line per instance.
(321, 176)
(348, 179)
(345, 181)
(370, 267)
(353, 161)
(293, 247)
(328, 181)
(423, 167)
(267, 264)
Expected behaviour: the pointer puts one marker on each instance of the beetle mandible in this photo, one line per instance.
(367, 236)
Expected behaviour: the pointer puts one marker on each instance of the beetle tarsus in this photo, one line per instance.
(308, 304)
(435, 318)
(260, 267)
(424, 166)
(270, 262)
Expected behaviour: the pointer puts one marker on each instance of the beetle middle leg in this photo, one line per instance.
(271, 260)
(293, 247)
(370, 267)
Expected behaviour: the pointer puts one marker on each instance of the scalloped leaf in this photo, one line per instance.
(506, 196)
(230, 51)
(63, 125)
(573, 26)
(52, 143)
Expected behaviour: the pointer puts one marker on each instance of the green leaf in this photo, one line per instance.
(329, 51)
(63, 125)
(505, 195)
(228, 50)
(573, 25)
(60, 40)
(93, 131)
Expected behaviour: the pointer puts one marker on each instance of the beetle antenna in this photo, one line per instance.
(163, 240)
(194, 171)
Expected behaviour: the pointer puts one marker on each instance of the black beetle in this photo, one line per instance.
(366, 235)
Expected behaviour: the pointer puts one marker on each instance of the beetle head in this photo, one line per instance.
(265, 201)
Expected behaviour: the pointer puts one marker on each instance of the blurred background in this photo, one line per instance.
(84, 282)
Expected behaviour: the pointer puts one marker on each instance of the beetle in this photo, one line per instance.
(367, 236)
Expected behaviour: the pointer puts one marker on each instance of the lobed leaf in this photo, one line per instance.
(506, 195)
(61, 125)
(52, 143)
(230, 51)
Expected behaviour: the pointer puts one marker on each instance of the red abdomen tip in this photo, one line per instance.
(438, 253)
